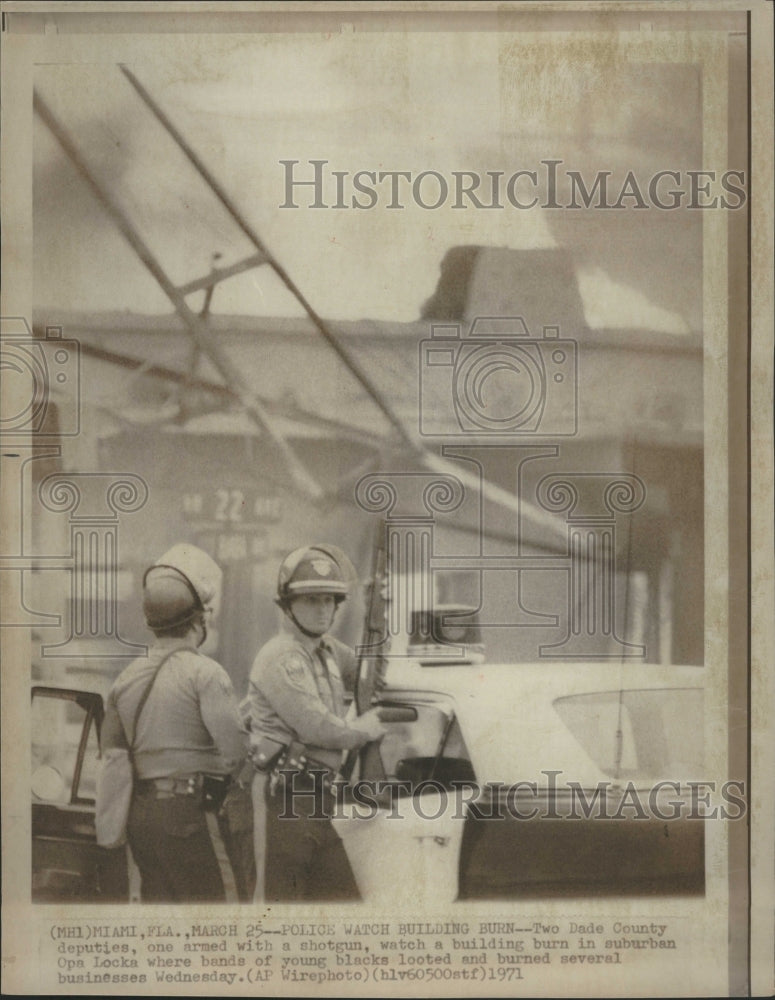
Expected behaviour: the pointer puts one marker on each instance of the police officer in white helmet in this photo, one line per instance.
(177, 710)
(298, 733)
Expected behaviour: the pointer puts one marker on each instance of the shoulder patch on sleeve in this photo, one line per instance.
(212, 671)
(294, 665)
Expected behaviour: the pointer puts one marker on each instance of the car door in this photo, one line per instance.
(400, 821)
(617, 838)
(67, 863)
(523, 843)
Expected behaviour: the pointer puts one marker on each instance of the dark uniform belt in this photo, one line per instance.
(295, 767)
(289, 762)
(162, 788)
(316, 777)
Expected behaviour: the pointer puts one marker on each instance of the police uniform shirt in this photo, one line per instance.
(190, 722)
(296, 691)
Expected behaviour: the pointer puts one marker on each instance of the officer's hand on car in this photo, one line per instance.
(370, 724)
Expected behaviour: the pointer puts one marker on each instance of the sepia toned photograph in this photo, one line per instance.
(383, 474)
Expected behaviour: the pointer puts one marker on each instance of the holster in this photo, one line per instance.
(295, 757)
(265, 753)
(214, 789)
(295, 760)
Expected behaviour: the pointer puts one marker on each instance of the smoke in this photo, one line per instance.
(370, 102)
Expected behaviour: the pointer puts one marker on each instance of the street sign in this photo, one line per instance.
(233, 507)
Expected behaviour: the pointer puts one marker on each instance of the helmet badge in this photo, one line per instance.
(322, 567)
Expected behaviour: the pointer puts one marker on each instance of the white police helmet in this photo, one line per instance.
(183, 583)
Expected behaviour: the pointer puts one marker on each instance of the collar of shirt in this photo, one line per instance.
(310, 644)
(169, 643)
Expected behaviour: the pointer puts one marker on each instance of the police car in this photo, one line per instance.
(519, 780)
(493, 781)
(67, 864)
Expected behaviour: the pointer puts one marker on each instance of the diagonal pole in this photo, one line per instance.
(199, 330)
(218, 274)
(434, 462)
(351, 363)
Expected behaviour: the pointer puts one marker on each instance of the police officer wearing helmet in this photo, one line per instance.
(297, 710)
(188, 728)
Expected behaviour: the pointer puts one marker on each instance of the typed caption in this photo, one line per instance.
(236, 956)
